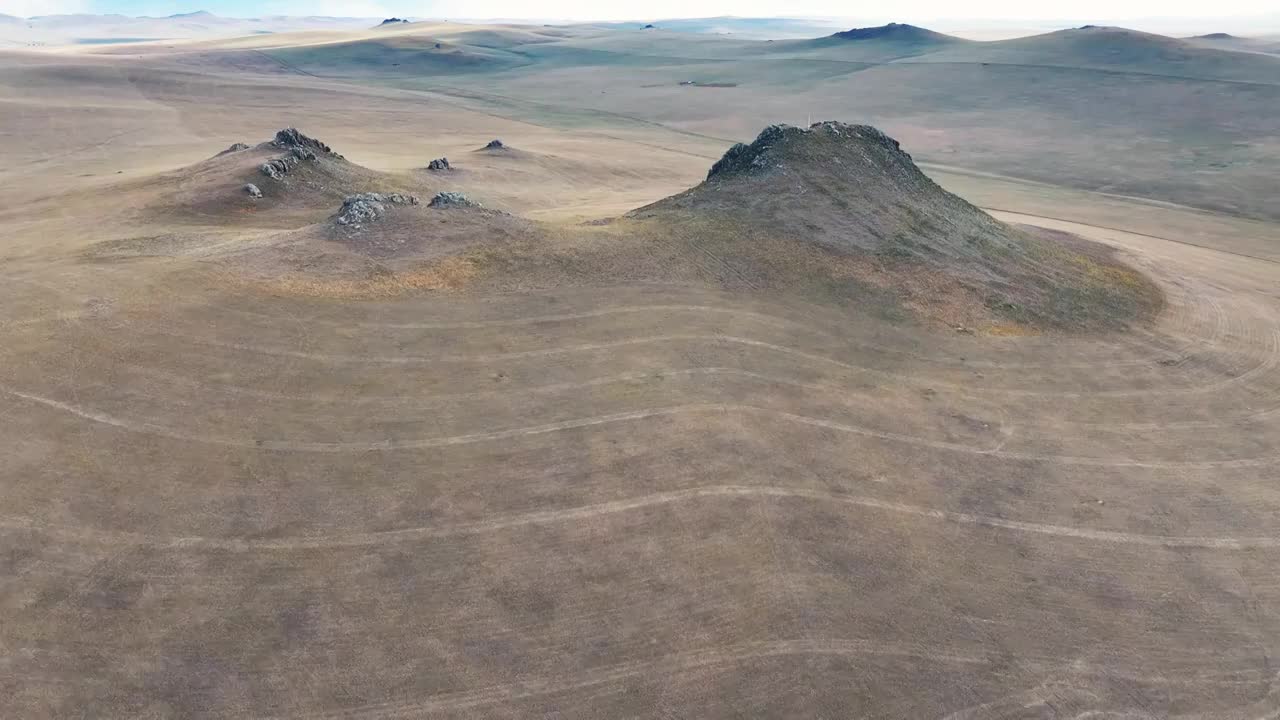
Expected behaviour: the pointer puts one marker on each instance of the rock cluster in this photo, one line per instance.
(276, 168)
(453, 199)
(758, 155)
(366, 207)
(291, 139)
(439, 164)
(252, 190)
(300, 149)
(495, 145)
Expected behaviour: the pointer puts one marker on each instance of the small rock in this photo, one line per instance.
(439, 164)
(495, 145)
(252, 190)
(452, 199)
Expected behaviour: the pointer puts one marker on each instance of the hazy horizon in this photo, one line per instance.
(915, 11)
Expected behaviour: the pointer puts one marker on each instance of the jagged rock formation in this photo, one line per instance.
(300, 149)
(252, 190)
(292, 139)
(439, 164)
(452, 199)
(367, 207)
(276, 168)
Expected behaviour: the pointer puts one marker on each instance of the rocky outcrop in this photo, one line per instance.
(439, 164)
(394, 21)
(764, 152)
(453, 199)
(495, 145)
(252, 190)
(277, 168)
(367, 207)
(301, 148)
(236, 147)
(292, 139)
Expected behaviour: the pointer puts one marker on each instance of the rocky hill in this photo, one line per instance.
(853, 191)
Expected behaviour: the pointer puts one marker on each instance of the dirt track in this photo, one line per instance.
(633, 501)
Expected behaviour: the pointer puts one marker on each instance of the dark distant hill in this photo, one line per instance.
(897, 32)
(1227, 41)
(874, 44)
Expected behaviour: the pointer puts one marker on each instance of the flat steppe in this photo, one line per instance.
(222, 497)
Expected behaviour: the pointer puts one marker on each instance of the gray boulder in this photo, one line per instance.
(367, 207)
(276, 168)
(495, 145)
(252, 190)
(439, 164)
(453, 199)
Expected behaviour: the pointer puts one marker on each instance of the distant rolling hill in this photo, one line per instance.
(103, 29)
(1103, 109)
(1118, 49)
(874, 44)
(1227, 41)
(1097, 108)
(397, 55)
(741, 27)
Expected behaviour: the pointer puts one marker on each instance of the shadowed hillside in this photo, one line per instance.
(854, 191)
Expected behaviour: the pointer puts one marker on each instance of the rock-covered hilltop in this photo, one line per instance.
(300, 148)
(292, 138)
(770, 147)
(850, 186)
(852, 189)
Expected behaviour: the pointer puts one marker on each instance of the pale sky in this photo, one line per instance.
(902, 10)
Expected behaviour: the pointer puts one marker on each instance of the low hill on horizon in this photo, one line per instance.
(1117, 49)
(90, 29)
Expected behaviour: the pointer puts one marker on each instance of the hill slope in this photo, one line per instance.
(299, 179)
(852, 190)
(1122, 50)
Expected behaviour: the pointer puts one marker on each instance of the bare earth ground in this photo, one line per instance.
(222, 499)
